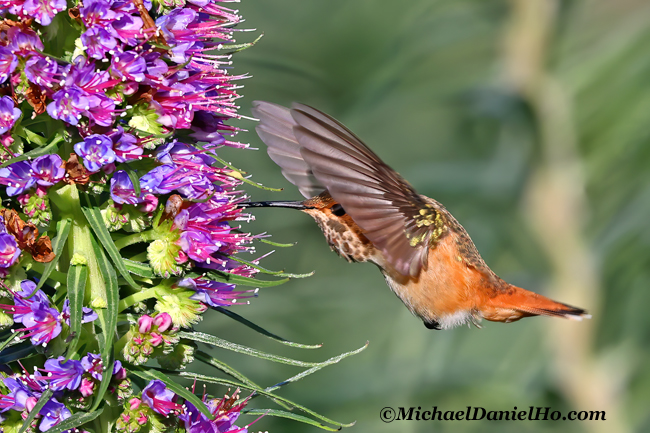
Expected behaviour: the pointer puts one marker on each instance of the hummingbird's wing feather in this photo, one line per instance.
(395, 218)
(276, 131)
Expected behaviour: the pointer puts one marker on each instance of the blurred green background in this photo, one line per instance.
(530, 121)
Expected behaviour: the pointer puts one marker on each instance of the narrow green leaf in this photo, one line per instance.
(204, 357)
(225, 277)
(96, 222)
(39, 151)
(39, 405)
(138, 268)
(312, 370)
(31, 136)
(218, 342)
(290, 415)
(263, 331)
(10, 337)
(107, 320)
(62, 231)
(277, 244)
(230, 383)
(267, 271)
(76, 420)
(135, 179)
(152, 374)
(77, 276)
(235, 48)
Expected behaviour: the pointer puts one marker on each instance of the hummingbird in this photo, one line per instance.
(369, 213)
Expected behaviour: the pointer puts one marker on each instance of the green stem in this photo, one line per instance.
(66, 200)
(57, 276)
(135, 238)
(137, 297)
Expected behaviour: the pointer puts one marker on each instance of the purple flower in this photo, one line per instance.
(122, 191)
(176, 152)
(88, 314)
(225, 412)
(63, 374)
(198, 245)
(43, 323)
(9, 251)
(43, 10)
(53, 413)
(68, 104)
(18, 395)
(48, 169)
(159, 398)
(93, 364)
(96, 150)
(9, 113)
(98, 41)
(215, 293)
(8, 62)
(18, 177)
(97, 13)
(157, 180)
(125, 145)
(101, 109)
(205, 127)
(129, 66)
(23, 41)
(42, 71)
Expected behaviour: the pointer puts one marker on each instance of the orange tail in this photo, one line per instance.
(516, 303)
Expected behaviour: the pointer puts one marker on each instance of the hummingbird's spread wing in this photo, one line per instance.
(276, 131)
(401, 223)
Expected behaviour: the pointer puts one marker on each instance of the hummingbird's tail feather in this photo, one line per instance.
(516, 303)
(286, 204)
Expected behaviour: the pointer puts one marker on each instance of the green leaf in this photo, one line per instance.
(31, 136)
(218, 342)
(50, 148)
(62, 231)
(312, 370)
(153, 374)
(39, 405)
(79, 418)
(225, 277)
(138, 268)
(204, 357)
(8, 341)
(77, 276)
(133, 176)
(235, 48)
(96, 222)
(263, 331)
(232, 384)
(107, 320)
(267, 271)
(290, 415)
(277, 244)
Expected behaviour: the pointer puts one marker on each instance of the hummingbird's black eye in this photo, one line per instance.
(338, 210)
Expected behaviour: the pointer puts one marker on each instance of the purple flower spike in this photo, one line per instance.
(48, 169)
(96, 150)
(9, 251)
(68, 105)
(122, 191)
(159, 398)
(9, 113)
(8, 62)
(125, 145)
(53, 413)
(42, 71)
(63, 375)
(18, 177)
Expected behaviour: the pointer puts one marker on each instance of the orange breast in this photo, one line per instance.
(448, 287)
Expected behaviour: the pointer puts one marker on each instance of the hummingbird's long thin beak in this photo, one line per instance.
(286, 204)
